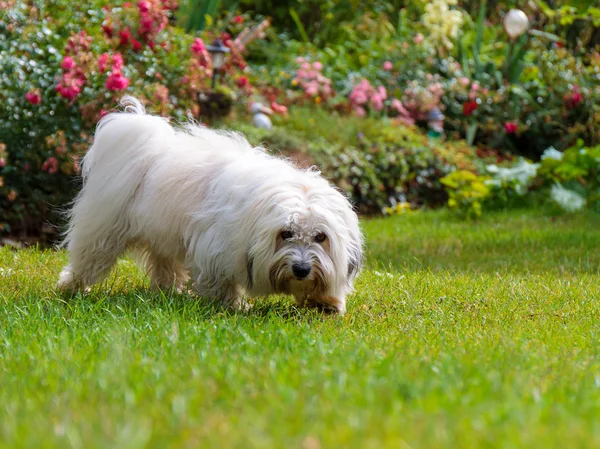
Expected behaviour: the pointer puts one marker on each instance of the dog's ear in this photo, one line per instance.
(250, 270)
(354, 261)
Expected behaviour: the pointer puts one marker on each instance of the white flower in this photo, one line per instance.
(568, 200)
(521, 174)
(552, 153)
(442, 23)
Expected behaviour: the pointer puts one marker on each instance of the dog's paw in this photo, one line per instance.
(66, 281)
(325, 304)
(240, 305)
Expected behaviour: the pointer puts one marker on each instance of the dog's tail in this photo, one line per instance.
(124, 136)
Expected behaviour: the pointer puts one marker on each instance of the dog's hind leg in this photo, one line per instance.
(165, 272)
(89, 262)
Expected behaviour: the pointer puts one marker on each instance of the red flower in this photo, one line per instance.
(107, 30)
(574, 98)
(116, 81)
(103, 112)
(125, 35)
(33, 97)
(242, 81)
(511, 127)
(469, 107)
(67, 63)
(146, 25)
(136, 45)
(238, 19)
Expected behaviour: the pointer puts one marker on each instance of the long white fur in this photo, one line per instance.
(205, 204)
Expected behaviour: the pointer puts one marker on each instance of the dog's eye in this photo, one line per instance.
(320, 237)
(286, 235)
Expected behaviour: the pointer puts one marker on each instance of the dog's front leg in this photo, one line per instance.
(227, 293)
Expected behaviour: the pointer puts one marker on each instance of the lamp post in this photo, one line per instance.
(515, 24)
(217, 52)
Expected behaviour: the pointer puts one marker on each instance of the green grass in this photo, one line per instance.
(460, 335)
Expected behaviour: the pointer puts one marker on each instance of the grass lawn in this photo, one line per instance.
(459, 336)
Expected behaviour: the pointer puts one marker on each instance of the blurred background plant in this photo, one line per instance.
(353, 86)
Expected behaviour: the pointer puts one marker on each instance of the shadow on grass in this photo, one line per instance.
(129, 300)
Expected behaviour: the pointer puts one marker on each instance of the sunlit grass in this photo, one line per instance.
(459, 335)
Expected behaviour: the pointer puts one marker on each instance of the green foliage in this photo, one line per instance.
(466, 191)
(375, 162)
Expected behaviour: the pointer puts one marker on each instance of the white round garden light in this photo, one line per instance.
(515, 23)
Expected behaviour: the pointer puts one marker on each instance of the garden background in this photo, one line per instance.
(361, 89)
(472, 325)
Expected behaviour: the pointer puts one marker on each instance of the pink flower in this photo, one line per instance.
(50, 165)
(418, 39)
(103, 62)
(311, 88)
(116, 81)
(117, 61)
(198, 46)
(67, 63)
(242, 81)
(317, 65)
(387, 65)
(360, 111)
(382, 92)
(103, 112)
(144, 6)
(279, 108)
(2, 162)
(511, 127)
(464, 81)
(377, 102)
(68, 92)
(33, 97)
(474, 87)
(305, 66)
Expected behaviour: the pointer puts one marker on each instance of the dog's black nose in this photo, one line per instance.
(301, 270)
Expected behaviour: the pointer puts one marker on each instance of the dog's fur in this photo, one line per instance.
(205, 204)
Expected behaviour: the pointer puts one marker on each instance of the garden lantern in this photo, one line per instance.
(217, 52)
(515, 23)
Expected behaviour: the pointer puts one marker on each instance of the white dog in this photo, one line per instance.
(205, 204)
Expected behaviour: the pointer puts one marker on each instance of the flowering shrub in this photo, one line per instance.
(66, 65)
(467, 191)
